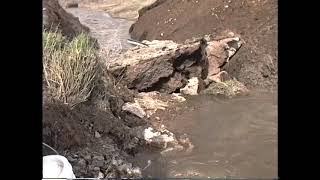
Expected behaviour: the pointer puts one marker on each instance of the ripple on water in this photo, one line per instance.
(233, 138)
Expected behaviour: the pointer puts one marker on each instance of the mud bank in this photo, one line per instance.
(255, 64)
(137, 106)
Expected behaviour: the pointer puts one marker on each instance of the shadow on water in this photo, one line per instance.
(235, 138)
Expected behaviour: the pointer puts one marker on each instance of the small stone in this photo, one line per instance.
(134, 108)
(88, 157)
(71, 159)
(231, 34)
(193, 87)
(157, 118)
(161, 34)
(178, 97)
(220, 77)
(98, 163)
(82, 162)
(97, 134)
(90, 167)
(96, 169)
(100, 158)
(111, 174)
(72, 5)
(100, 175)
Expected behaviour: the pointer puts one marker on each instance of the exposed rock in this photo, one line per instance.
(97, 163)
(134, 108)
(71, 159)
(229, 88)
(151, 102)
(220, 77)
(166, 141)
(194, 86)
(186, 142)
(100, 175)
(166, 66)
(88, 157)
(218, 53)
(97, 134)
(178, 97)
(100, 158)
(82, 163)
(172, 150)
(125, 170)
(55, 16)
(159, 139)
(96, 169)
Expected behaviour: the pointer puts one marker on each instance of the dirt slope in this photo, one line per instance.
(254, 20)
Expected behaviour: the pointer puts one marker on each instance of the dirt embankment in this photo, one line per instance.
(55, 16)
(255, 21)
(95, 135)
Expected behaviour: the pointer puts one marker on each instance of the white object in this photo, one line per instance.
(149, 134)
(56, 166)
(192, 87)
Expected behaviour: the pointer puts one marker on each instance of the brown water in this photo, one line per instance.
(234, 138)
(111, 33)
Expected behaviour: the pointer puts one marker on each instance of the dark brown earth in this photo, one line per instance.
(96, 136)
(71, 131)
(255, 64)
(54, 16)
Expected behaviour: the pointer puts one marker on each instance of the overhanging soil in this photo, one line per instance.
(255, 64)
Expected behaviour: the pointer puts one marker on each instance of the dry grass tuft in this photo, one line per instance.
(70, 68)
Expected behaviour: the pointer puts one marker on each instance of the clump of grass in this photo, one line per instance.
(70, 67)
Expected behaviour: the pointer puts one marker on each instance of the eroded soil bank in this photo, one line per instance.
(230, 137)
(256, 22)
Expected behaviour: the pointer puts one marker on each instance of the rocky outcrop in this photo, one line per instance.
(194, 86)
(228, 88)
(55, 16)
(147, 103)
(167, 66)
(167, 141)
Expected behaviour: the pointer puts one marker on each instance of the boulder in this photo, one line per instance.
(167, 66)
(228, 88)
(194, 86)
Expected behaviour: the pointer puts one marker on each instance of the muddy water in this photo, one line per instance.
(111, 33)
(234, 138)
